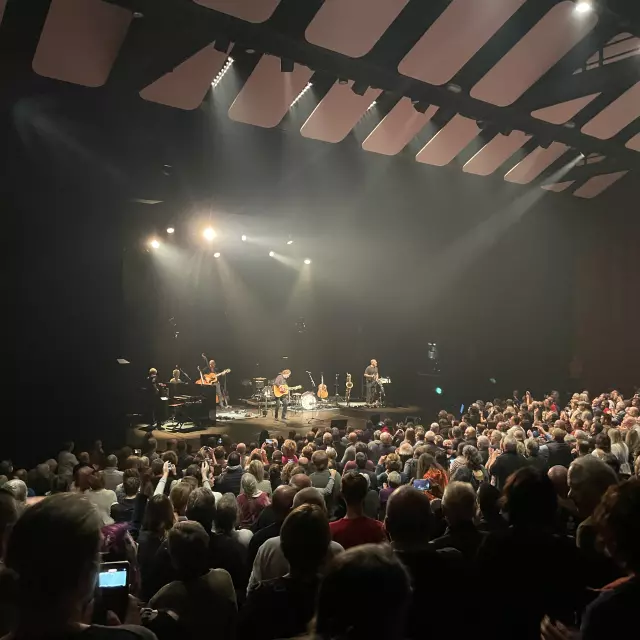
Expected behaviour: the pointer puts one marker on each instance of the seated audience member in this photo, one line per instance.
(304, 540)
(103, 499)
(112, 477)
(589, 479)
(280, 507)
(40, 480)
(502, 464)
(356, 528)
(59, 536)
(122, 511)
(531, 505)
(489, 506)
(18, 489)
(459, 507)
(270, 561)
(360, 576)
(251, 501)
(231, 477)
(199, 594)
(409, 523)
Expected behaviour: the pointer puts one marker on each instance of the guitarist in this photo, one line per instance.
(211, 368)
(371, 375)
(281, 379)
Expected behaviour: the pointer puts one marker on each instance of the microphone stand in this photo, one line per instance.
(184, 373)
(313, 384)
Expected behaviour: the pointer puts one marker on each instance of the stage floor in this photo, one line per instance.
(248, 424)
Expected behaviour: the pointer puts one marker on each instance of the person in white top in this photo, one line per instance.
(101, 498)
(67, 460)
(620, 450)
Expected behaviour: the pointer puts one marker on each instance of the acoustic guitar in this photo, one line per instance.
(283, 389)
(211, 378)
(323, 394)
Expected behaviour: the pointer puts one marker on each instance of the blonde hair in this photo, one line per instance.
(289, 448)
(615, 436)
(286, 372)
(256, 469)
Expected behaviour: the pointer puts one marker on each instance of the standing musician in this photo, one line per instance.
(371, 376)
(281, 379)
(211, 368)
(154, 395)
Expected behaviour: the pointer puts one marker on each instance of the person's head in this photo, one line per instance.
(588, 480)
(60, 484)
(617, 519)
(170, 456)
(286, 373)
(52, 561)
(249, 485)
(188, 545)
(603, 442)
(300, 480)
(158, 516)
(112, 461)
(386, 438)
(176, 374)
(256, 469)
(68, 446)
(459, 503)
(409, 521)
(472, 456)
(488, 500)
(362, 575)
(532, 447)
(558, 476)
(530, 499)
(354, 488)
(394, 479)
(558, 434)
(96, 481)
(483, 443)
(212, 364)
(509, 444)
(8, 516)
(179, 496)
(425, 462)
(289, 448)
(305, 538)
(226, 513)
(361, 461)
(320, 459)
(201, 507)
(130, 486)
(374, 362)
(309, 495)
(282, 501)
(234, 459)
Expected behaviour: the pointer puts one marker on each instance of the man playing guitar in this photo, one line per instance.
(371, 375)
(211, 372)
(281, 382)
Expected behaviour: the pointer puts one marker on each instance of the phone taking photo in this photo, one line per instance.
(112, 590)
(422, 485)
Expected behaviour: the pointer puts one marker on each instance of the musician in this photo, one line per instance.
(211, 368)
(281, 379)
(371, 375)
(176, 378)
(154, 394)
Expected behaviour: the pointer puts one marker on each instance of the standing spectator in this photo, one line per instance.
(231, 477)
(429, 469)
(534, 459)
(122, 511)
(111, 475)
(102, 498)
(67, 460)
(559, 450)
(502, 465)
(355, 528)
(620, 450)
(321, 477)
(489, 505)
(251, 501)
(394, 480)
(256, 469)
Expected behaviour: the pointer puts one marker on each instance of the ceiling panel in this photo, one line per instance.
(535, 163)
(558, 186)
(249, 10)
(397, 128)
(495, 153)
(616, 116)
(634, 143)
(3, 4)
(596, 185)
(449, 141)
(80, 41)
(337, 113)
(563, 111)
(352, 27)
(186, 86)
(539, 50)
(454, 38)
(268, 93)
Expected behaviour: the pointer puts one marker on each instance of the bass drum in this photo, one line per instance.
(308, 401)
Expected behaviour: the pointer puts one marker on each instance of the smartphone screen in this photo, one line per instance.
(113, 575)
(269, 441)
(112, 592)
(423, 485)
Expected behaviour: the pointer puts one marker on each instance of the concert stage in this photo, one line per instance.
(245, 426)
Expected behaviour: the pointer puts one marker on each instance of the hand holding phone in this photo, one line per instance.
(422, 485)
(113, 590)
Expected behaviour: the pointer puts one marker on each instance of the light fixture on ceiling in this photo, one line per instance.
(570, 125)
(286, 65)
(307, 261)
(209, 234)
(216, 254)
(373, 104)
(359, 88)
(454, 88)
(222, 72)
(250, 51)
(583, 6)
(289, 241)
(343, 81)
(154, 244)
(299, 96)
(271, 254)
(170, 230)
(244, 238)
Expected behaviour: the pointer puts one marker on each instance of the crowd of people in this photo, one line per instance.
(519, 519)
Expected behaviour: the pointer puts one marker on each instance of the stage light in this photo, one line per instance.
(299, 96)
(170, 230)
(583, 7)
(221, 73)
(373, 104)
(271, 254)
(209, 234)
(244, 238)
(154, 244)
(216, 254)
(454, 88)
(438, 390)
(289, 241)
(307, 261)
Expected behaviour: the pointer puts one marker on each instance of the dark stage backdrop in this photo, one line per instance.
(403, 254)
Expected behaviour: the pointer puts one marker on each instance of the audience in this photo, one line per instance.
(251, 501)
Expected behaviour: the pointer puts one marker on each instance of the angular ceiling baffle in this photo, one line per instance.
(622, 46)
(397, 128)
(249, 10)
(634, 143)
(337, 113)
(557, 32)
(186, 86)
(535, 163)
(557, 186)
(454, 38)
(563, 111)
(597, 184)
(3, 4)
(497, 151)
(352, 27)
(449, 141)
(80, 41)
(616, 116)
(268, 93)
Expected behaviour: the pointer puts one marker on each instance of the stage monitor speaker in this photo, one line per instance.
(339, 423)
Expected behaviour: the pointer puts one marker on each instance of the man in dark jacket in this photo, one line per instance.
(559, 450)
(501, 466)
(231, 477)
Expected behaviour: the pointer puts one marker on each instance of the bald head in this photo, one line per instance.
(385, 438)
(300, 481)
(283, 500)
(558, 476)
(310, 495)
(409, 520)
